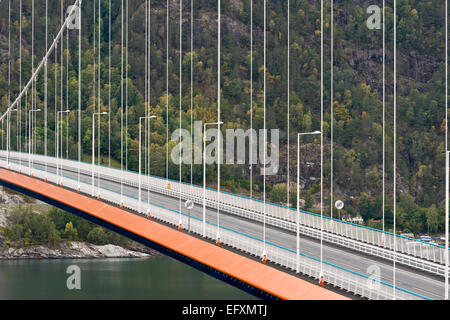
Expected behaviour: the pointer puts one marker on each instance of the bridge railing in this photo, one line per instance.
(334, 275)
(334, 230)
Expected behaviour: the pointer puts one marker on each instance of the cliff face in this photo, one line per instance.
(8, 200)
(413, 66)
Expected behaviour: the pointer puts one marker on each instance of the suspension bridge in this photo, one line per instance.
(269, 250)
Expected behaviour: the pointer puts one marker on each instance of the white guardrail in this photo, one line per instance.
(410, 252)
(337, 276)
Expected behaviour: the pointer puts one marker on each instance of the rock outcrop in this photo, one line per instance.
(72, 250)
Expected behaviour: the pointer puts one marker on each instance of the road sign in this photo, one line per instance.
(189, 204)
(339, 205)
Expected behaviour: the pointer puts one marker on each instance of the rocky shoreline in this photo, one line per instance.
(65, 249)
(74, 250)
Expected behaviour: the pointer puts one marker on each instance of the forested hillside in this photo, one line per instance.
(357, 93)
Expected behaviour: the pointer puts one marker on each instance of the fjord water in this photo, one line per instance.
(157, 277)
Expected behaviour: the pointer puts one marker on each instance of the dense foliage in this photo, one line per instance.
(357, 93)
(32, 228)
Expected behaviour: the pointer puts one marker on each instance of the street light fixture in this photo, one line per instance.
(60, 182)
(140, 165)
(30, 142)
(298, 194)
(93, 154)
(204, 172)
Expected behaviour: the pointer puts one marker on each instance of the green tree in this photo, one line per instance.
(365, 206)
(432, 215)
(70, 232)
(97, 236)
(53, 238)
(279, 193)
(309, 202)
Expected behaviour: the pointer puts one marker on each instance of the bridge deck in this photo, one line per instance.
(258, 275)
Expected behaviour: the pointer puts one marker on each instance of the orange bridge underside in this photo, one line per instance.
(258, 275)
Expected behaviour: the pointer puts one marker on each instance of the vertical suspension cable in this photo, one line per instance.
(149, 103)
(79, 97)
(288, 188)
(27, 126)
(19, 113)
(167, 92)
(192, 88)
(332, 108)
(297, 255)
(181, 97)
(60, 125)
(321, 138)
(147, 100)
(33, 84)
(218, 117)
(395, 144)
(67, 93)
(99, 96)
(34, 96)
(265, 128)
(56, 109)
(109, 85)
(35, 115)
(384, 116)
(251, 99)
(126, 87)
(30, 132)
(34, 137)
(94, 94)
(446, 156)
(8, 116)
(146, 104)
(121, 111)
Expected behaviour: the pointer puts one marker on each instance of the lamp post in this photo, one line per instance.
(298, 194)
(8, 138)
(149, 140)
(189, 204)
(140, 165)
(58, 181)
(93, 153)
(447, 160)
(204, 172)
(30, 141)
